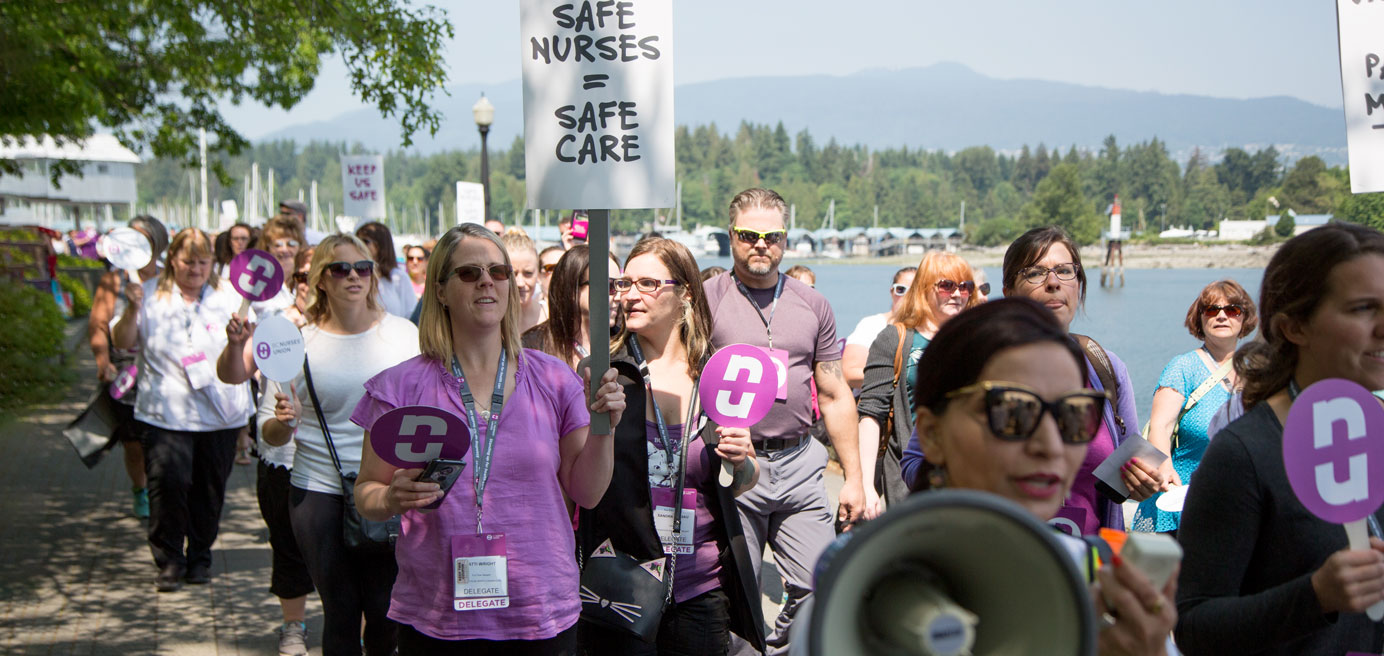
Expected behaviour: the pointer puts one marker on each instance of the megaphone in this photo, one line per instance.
(949, 573)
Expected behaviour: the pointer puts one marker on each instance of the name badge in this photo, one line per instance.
(200, 373)
(681, 543)
(480, 571)
(780, 358)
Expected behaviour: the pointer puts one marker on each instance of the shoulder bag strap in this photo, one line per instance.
(1202, 390)
(1105, 372)
(326, 432)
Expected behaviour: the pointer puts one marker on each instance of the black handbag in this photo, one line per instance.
(90, 433)
(360, 535)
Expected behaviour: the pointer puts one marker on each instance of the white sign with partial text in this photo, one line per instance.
(470, 203)
(362, 184)
(1360, 24)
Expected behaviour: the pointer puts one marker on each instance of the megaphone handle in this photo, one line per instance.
(1359, 536)
(244, 307)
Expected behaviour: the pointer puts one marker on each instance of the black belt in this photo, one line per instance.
(775, 444)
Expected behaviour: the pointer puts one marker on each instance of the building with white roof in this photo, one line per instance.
(107, 182)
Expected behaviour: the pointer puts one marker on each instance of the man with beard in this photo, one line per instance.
(754, 303)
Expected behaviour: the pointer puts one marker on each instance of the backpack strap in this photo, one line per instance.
(1105, 372)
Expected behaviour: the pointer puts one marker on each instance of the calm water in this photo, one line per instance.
(1141, 322)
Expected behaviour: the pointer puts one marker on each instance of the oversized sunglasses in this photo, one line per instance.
(753, 236)
(899, 289)
(1014, 411)
(300, 278)
(1232, 311)
(966, 287)
(417, 258)
(645, 285)
(472, 272)
(548, 268)
(363, 268)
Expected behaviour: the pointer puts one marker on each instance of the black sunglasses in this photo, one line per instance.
(1232, 311)
(1013, 411)
(300, 278)
(363, 268)
(753, 236)
(967, 287)
(472, 272)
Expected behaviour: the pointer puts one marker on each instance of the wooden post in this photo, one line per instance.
(598, 239)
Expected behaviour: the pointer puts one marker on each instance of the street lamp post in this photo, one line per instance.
(484, 113)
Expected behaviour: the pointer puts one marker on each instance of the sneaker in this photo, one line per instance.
(170, 579)
(293, 639)
(198, 575)
(141, 503)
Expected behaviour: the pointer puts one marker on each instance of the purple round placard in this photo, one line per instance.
(410, 436)
(738, 385)
(256, 275)
(1333, 450)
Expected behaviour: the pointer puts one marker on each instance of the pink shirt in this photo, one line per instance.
(523, 500)
(1082, 506)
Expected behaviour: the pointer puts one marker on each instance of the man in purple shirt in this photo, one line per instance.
(755, 304)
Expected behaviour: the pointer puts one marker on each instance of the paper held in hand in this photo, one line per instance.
(1333, 452)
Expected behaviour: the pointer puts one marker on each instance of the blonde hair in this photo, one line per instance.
(281, 227)
(515, 239)
(917, 311)
(435, 319)
(199, 245)
(694, 326)
(319, 305)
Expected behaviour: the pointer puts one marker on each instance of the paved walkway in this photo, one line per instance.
(76, 576)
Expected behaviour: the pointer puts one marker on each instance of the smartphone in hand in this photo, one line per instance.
(444, 472)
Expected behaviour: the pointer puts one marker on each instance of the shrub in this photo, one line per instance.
(65, 260)
(81, 298)
(30, 345)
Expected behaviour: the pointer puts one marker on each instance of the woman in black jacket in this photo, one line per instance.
(663, 345)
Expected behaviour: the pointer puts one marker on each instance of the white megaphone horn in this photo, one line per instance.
(949, 573)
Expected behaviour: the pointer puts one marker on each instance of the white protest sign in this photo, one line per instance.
(278, 349)
(470, 203)
(1361, 30)
(127, 249)
(362, 182)
(598, 103)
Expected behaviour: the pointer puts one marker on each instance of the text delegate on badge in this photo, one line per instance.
(589, 140)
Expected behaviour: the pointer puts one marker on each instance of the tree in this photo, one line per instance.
(154, 71)
(1365, 209)
(1285, 226)
(1058, 201)
(1304, 190)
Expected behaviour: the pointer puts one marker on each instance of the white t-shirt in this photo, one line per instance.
(171, 329)
(396, 293)
(868, 329)
(340, 366)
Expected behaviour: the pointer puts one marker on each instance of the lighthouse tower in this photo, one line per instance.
(1115, 219)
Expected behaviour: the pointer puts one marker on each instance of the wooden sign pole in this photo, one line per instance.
(598, 240)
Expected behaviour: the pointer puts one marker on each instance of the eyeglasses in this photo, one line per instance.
(753, 236)
(899, 289)
(1037, 274)
(343, 269)
(285, 243)
(548, 268)
(472, 272)
(1014, 411)
(300, 278)
(645, 285)
(416, 258)
(965, 287)
(1232, 311)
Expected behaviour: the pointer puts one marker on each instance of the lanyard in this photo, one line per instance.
(195, 315)
(778, 291)
(670, 450)
(497, 401)
(690, 425)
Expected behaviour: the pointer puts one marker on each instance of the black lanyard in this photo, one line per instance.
(778, 291)
(497, 401)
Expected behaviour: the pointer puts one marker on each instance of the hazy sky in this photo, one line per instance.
(1204, 47)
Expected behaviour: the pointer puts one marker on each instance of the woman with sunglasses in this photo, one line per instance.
(566, 335)
(348, 339)
(1191, 389)
(416, 260)
(188, 418)
(1260, 573)
(1044, 264)
(942, 287)
(519, 466)
(1003, 407)
(524, 257)
(662, 348)
(859, 341)
(547, 262)
(396, 290)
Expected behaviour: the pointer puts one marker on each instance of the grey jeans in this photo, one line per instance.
(789, 511)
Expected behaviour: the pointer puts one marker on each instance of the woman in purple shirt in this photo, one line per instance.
(504, 523)
(714, 591)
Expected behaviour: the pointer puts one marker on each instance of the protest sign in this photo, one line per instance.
(256, 275)
(598, 104)
(362, 183)
(410, 436)
(470, 203)
(278, 349)
(1333, 452)
(126, 248)
(1360, 26)
(737, 389)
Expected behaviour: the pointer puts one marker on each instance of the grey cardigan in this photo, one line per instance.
(877, 394)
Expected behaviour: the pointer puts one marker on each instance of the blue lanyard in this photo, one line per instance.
(778, 291)
(497, 401)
